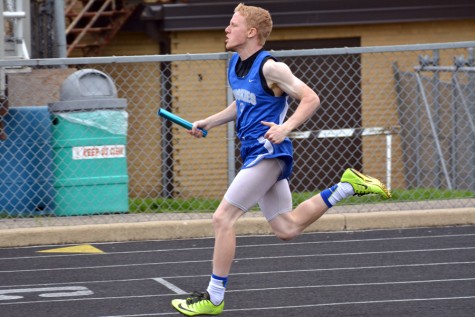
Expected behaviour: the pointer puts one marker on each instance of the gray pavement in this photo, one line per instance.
(378, 272)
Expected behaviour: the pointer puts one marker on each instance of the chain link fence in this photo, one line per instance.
(84, 143)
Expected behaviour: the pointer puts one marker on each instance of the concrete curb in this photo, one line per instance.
(165, 230)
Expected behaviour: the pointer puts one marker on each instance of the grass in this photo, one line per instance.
(162, 205)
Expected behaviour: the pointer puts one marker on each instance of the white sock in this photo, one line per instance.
(343, 190)
(216, 290)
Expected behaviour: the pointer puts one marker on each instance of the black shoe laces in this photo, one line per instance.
(196, 297)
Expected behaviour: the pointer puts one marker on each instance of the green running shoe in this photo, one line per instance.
(197, 304)
(365, 185)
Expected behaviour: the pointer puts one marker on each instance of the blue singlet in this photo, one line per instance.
(255, 104)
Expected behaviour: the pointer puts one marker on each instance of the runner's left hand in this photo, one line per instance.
(276, 134)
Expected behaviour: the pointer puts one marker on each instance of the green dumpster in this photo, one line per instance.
(89, 133)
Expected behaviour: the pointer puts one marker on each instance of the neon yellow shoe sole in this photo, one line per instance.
(365, 185)
(198, 304)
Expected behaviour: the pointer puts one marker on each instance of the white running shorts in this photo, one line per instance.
(258, 185)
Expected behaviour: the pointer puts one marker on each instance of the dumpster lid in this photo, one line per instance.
(88, 84)
(86, 90)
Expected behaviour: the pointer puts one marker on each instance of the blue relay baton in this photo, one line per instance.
(178, 120)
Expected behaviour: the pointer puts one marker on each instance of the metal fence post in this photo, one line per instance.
(434, 130)
(166, 144)
(2, 51)
(230, 131)
(436, 112)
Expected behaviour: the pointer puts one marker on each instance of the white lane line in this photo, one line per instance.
(280, 257)
(382, 267)
(388, 301)
(145, 315)
(170, 286)
(408, 300)
(250, 236)
(354, 268)
(89, 298)
(68, 291)
(229, 291)
(279, 244)
(388, 283)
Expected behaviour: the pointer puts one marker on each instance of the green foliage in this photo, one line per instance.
(162, 205)
(197, 205)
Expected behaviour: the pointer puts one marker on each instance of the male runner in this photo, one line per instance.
(261, 86)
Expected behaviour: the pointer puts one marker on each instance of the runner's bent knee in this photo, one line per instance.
(226, 215)
(284, 227)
